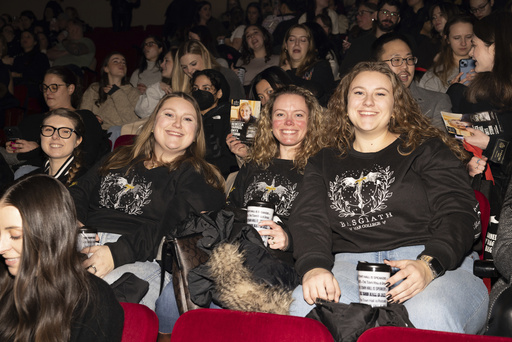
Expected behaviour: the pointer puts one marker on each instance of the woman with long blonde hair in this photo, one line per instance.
(193, 56)
(142, 191)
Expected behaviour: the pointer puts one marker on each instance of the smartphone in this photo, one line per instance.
(12, 133)
(465, 66)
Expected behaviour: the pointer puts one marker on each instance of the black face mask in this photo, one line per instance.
(204, 98)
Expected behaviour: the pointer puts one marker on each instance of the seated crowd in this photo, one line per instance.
(350, 148)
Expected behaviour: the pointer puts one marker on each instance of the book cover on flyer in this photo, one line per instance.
(457, 124)
(244, 119)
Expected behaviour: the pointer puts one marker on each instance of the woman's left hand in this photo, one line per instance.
(101, 262)
(165, 88)
(415, 276)
(477, 138)
(277, 237)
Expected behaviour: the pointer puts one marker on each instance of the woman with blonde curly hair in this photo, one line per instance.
(300, 61)
(392, 191)
(290, 130)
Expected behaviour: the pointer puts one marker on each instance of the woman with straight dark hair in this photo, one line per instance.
(143, 191)
(113, 98)
(45, 292)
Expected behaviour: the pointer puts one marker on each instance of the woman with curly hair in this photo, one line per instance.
(256, 52)
(45, 292)
(113, 98)
(393, 190)
(61, 137)
(291, 129)
(299, 60)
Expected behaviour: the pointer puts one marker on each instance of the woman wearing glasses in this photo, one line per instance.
(61, 89)
(61, 137)
(149, 71)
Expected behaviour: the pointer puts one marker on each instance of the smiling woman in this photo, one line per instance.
(384, 147)
(142, 191)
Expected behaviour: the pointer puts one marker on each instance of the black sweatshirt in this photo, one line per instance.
(380, 201)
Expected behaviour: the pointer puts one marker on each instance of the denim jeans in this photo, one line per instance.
(167, 309)
(147, 270)
(454, 302)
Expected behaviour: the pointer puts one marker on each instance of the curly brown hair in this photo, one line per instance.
(406, 119)
(266, 146)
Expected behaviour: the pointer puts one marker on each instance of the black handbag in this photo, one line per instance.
(180, 256)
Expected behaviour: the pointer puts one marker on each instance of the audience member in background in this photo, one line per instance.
(148, 101)
(365, 17)
(490, 90)
(456, 45)
(27, 20)
(113, 98)
(480, 8)
(62, 132)
(253, 16)
(29, 67)
(325, 45)
(38, 232)
(395, 49)
(427, 240)
(122, 13)
(316, 7)
(44, 43)
(149, 70)
(144, 190)
(202, 34)
(51, 12)
(287, 15)
(299, 60)
(430, 45)
(73, 49)
(13, 44)
(61, 88)
(204, 17)
(211, 91)
(412, 17)
(193, 56)
(388, 18)
(262, 87)
(256, 52)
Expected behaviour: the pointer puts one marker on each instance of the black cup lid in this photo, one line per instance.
(87, 230)
(263, 204)
(367, 266)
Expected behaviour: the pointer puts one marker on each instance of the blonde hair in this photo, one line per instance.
(142, 149)
(180, 81)
(406, 118)
(266, 146)
(243, 104)
(310, 58)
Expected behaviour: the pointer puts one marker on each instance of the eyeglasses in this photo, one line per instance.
(63, 132)
(479, 8)
(53, 87)
(398, 61)
(362, 12)
(150, 44)
(392, 14)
